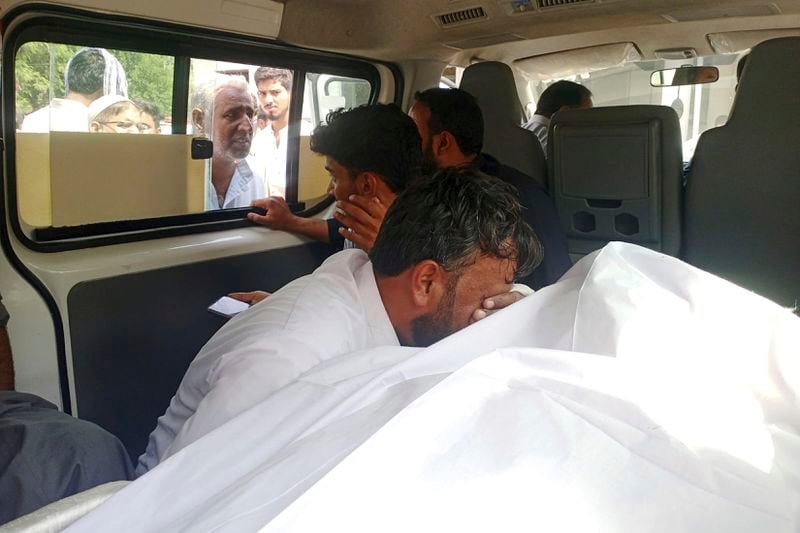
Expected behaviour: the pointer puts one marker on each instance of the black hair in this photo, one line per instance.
(377, 138)
(452, 218)
(740, 67)
(149, 108)
(561, 93)
(281, 75)
(457, 112)
(86, 71)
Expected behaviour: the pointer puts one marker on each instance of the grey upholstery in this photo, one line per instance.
(492, 84)
(61, 514)
(742, 218)
(616, 175)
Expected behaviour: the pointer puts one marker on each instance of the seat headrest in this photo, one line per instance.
(770, 84)
(492, 84)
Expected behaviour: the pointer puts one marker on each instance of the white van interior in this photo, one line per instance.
(111, 258)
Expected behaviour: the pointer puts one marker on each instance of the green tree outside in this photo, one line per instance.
(40, 75)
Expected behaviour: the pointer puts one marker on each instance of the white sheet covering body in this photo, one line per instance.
(691, 425)
(333, 311)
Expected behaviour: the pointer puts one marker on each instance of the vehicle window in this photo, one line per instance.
(98, 148)
(322, 94)
(85, 119)
(699, 107)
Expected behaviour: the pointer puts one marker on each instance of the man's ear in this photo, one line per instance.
(197, 120)
(95, 127)
(442, 142)
(367, 184)
(428, 280)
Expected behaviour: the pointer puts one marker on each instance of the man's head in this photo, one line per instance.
(446, 243)
(224, 109)
(114, 114)
(372, 150)
(261, 120)
(740, 69)
(563, 95)
(150, 117)
(450, 124)
(274, 87)
(94, 72)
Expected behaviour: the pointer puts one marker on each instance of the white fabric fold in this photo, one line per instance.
(637, 394)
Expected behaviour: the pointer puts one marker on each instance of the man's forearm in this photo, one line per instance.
(310, 227)
(6, 362)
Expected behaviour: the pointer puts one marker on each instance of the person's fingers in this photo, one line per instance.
(365, 242)
(261, 202)
(258, 219)
(356, 212)
(252, 297)
(241, 296)
(353, 223)
(500, 301)
(373, 206)
(479, 314)
(258, 296)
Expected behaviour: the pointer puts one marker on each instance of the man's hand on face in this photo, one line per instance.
(278, 216)
(251, 298)
(363, 217)
(495, 303)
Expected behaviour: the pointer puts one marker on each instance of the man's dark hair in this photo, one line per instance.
(455, 111)
(561, 93)
(86, 71)
(740, 67)
(281, 75)
(377, 138)
(149, 108)
(452, 218)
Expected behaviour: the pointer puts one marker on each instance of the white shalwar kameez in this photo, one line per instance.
(334, 311)
(636, 394)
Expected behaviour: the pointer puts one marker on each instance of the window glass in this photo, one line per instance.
(95, 141)
(699, 107)
(87, 143)
(322, 94)
(244, 110)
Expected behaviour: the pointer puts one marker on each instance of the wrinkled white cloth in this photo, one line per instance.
(60, 115)
(689, 423)
(245, 186)
(334, 311)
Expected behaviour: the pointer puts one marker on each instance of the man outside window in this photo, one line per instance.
(224, 109)
(89, 74)
(268, 154)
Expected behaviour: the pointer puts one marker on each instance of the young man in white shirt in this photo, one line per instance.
(426, 276)
(268, 153)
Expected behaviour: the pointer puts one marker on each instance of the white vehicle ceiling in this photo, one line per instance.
(459, 32)
(414, 29)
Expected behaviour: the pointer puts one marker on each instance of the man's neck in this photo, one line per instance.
(84, 99)
(455, 159)
(390, 290)
(278, 124)
(222, 170)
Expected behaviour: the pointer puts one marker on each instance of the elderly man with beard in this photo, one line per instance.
(224, 110)
(446, 243)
